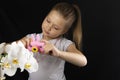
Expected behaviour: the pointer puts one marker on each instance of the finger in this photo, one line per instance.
(28, 40)
(31, 39)
(43, 40)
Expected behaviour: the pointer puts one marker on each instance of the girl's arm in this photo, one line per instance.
(25, 40)
(74, 56)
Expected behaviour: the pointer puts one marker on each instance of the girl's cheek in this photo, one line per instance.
(43, 26)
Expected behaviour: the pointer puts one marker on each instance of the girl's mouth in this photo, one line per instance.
(46, 32)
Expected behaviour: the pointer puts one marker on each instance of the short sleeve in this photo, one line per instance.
(66, 43)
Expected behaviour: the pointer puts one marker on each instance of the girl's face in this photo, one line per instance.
(54, 25)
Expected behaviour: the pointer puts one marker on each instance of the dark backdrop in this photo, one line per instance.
(101, 29)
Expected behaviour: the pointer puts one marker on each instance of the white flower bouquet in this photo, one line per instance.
(13, 56)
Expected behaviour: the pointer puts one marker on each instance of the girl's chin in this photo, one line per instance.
(45, 33)
(45, 36)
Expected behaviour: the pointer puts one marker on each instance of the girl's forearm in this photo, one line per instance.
(74, 58)
(24, 43)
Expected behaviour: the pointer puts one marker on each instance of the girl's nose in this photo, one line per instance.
(50, 27)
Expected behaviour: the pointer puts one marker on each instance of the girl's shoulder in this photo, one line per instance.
(65, 40)
(65, 43)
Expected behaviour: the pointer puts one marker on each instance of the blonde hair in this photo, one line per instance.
(71, 12)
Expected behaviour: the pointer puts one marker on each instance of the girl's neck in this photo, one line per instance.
(46, 38)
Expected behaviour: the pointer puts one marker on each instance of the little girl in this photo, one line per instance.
(64, 19)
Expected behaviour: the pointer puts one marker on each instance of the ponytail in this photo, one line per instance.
(77, 33)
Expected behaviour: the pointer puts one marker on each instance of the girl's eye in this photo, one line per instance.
(56, 28)
(48, 21)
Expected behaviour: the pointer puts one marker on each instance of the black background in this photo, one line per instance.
(101, 29)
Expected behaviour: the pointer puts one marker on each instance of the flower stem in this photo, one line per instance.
(2, 77)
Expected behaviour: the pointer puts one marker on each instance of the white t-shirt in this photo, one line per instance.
(50, 67)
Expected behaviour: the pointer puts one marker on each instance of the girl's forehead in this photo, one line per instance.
(56, 18)
(52, 12)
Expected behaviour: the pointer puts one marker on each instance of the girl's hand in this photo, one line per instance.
(50, 49)
(26, 41)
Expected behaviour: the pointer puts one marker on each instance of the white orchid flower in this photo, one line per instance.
(31, 64)
(18, 57)
(11, 61)
(9, 69)
(13, 53)
(28, 61)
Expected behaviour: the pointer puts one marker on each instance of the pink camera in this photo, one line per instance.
(36, 46)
